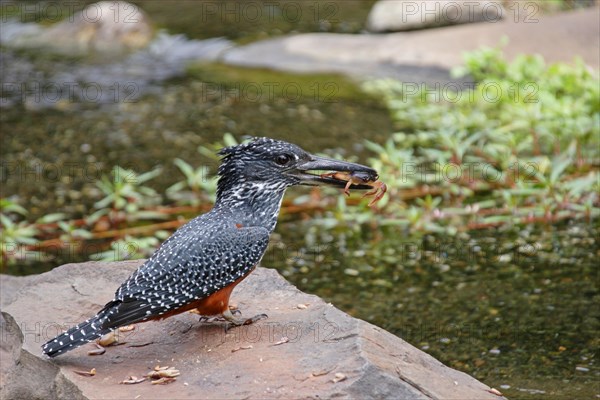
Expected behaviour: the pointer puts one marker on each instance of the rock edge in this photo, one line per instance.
(327, 353)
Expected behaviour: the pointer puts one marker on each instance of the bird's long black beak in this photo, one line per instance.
(321, 170)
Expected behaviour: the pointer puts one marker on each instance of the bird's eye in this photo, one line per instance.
(283, 159)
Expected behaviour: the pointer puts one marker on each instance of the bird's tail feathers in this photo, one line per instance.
(79, 335)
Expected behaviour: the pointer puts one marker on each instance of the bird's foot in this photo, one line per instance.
(218, 318)
(233, 321)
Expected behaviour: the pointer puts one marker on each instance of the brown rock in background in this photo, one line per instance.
(106, 27)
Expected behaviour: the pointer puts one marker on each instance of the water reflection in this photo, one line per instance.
(517, 308)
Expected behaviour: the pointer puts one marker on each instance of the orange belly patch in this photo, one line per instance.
(215, 304)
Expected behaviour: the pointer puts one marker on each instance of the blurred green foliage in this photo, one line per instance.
(523, 143)
(521, 146)
(125, 196)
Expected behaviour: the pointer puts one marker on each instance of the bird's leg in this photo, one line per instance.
(233, 321)
(234, 309)
(215, 318)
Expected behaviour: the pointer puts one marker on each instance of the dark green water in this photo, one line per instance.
(515, 308)
(52, 158)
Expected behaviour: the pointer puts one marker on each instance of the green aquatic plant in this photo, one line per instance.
(128, 248)
(71, 232)
(10, 206)
(459, 161)
(126, 197)
(16, 235)
(196, 186)
(199, 185)
(524, 141)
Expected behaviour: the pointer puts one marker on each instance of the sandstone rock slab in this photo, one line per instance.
(405, 15)
(10, 286)
(426, 56)
(25, 376)
(305, 349)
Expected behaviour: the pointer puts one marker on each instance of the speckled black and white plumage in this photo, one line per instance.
(211, 251)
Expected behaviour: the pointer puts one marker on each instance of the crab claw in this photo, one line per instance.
(379, 189)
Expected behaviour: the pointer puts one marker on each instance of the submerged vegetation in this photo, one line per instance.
(519, 147)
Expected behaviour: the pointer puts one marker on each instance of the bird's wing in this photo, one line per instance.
(184, 271)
